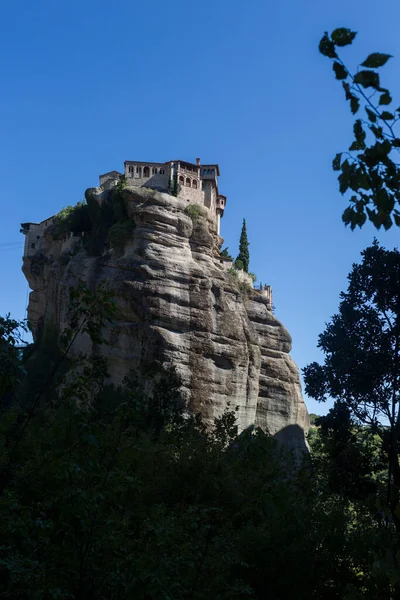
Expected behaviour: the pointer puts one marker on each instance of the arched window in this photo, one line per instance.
(146, 172)
(139, 171)
(181, 180)
(162, 171)
(154, 170)
(194, 185)
(188, 182)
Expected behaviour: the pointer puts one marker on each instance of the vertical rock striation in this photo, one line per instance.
(177, 302)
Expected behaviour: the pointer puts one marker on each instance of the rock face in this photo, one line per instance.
(176, 301)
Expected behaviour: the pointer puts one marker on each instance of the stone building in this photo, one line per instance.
(198, 184)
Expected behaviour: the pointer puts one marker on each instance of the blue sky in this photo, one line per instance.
(88, 84)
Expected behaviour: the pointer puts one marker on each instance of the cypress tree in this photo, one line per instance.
(244, 254)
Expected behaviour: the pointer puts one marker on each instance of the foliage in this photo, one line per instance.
(11, 342)
(225, 253)
(313, 418)
(75, 219)
(120, 233)
(253, 276)
(116, 493)
(244, 287)
(103, 216)
(243, 257)
(369, 170)
(233, 272)
(173, 186)
(194, 212)
(361, 368)
(239, 264)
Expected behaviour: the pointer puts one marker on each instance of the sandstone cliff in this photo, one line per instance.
(176, 301)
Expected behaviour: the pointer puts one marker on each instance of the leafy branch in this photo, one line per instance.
(368, 170)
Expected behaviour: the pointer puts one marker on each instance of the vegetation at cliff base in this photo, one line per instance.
(361, 373)
(116, 493)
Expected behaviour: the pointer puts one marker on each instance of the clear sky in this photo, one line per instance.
(87, 84)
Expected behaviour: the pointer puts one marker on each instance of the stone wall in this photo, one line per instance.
(156, 181)
(191, 195)
(34, 238)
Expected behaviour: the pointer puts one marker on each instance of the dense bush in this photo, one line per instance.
(75, 219)
(115, 493)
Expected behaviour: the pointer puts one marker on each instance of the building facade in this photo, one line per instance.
(198, 184)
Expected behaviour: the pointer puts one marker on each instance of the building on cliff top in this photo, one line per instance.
(198, 184)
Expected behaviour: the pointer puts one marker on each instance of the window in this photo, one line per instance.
(139, 171)
(204, 171)
(38, 237)
(32, 245)
(208, 171)
(154, 171)
(181, 180)
(162, 171)
(188, 182)
(212, 172)
(146, 172)
(194, 185)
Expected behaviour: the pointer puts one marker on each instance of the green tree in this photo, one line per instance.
(173, 186)
(11, 366)
(115, 493)
(225, 252)
(369, 170)
(243, 258)
(361, 370)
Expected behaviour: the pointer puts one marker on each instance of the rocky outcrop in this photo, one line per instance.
(176, 301)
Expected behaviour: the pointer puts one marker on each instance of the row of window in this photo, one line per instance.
(146, 171)
(208, 171)
(189, 182)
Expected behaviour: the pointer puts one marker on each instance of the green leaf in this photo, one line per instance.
(327, 47)
(344, 182)
(354, 104)
(363, 181)
(340, 70)
(367, 79)
(387, 116)
(396, 219)
(347, 215)
(386, 98)
(346, 88)
(359, 131)
(371, 115)
(384, 201)
(336, 162)
(357, 146)
(345, 166)
(377, 131)
(375, 60)
(343, 36)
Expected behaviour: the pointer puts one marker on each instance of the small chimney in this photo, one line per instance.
(197, 161)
